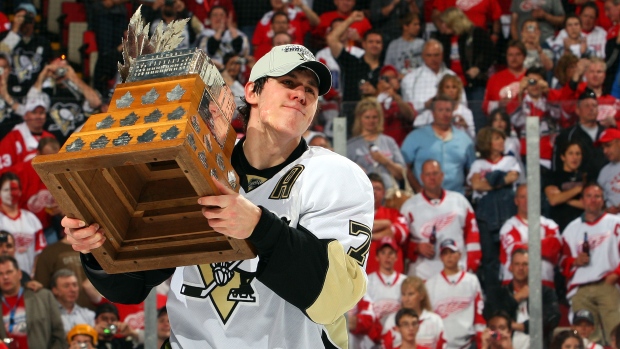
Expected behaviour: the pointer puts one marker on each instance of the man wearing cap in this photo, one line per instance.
(80, 335)
(456, 296)
(586, 131)
(435, 214)
(609, 177)
(29, 51)
(311, 229)
(592, 269)
(583, 324)
(398, 114)
(112, 333)
(21, 143)
(30, 318)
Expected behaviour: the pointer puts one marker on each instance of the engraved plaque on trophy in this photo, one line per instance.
(139, 168)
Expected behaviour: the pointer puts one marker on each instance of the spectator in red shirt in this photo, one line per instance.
(503, 87)
(344, 8)
(612, 47)
(398, 114)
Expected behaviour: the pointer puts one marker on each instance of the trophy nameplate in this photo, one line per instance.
(139, 168)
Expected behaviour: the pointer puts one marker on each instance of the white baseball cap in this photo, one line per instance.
(283, 59)
(38, 100)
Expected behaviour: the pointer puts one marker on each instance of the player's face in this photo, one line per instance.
(572, 343)
(612, 150)
(163, 327)
(442, 113)
(35, 119)
(519, 267)
(592, 200)
(515, 58)
(595, 75)
(411, 298)
(9, 278)
(10, 193)
(66, 289)
(408, 327)
(588, 19)
(8, 248)
(286, 106)
(81, 339)
(572, 158)
(497, 143)
(450, 259)
(584, 329)
(370, 121)
(386, 258)
(379, 192)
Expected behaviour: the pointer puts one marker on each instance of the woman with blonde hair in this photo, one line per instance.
(415, 296)
(370, 148)
(467, 51)
(451, 86)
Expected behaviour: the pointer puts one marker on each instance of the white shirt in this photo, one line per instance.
(420, 85)
(426, 117)
(484, 166)
(609, 179)
(596, 40)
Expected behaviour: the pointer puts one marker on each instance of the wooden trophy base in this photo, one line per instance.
(139, 169)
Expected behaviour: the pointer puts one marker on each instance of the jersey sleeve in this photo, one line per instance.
(318, 266)
(479, 322)
(551, 244)
(8, 150)
(472, 239)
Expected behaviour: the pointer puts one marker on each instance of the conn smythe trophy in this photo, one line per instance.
(139, 169)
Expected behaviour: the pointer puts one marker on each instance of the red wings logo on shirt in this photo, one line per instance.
(439, 222)
(467, 5)
(452, 305)
(23, 241)
(595, 241)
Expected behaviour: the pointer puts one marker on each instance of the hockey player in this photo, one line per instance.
(307, 211)
(514, 234)
(456, 296)
(436, 214)
(384, 284)
(591, 263)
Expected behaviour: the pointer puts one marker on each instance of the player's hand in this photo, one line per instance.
(611, 279)
(426, 250)
(83, 238)
(230, 213)
(582, 260)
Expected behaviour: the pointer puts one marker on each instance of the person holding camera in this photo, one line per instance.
(29, 51)
(500, 335)
(173, 10)
(82, 336)
(112, 333)
(223, 37)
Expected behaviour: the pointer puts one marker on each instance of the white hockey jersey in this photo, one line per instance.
(482, 166)
(453, 218)
(29, 237)
(514, 234)
(457, 299)
(604, 255)
(224, 305)
(385, 293)
(430, 333)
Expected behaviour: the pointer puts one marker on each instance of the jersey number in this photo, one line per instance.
(360, 253)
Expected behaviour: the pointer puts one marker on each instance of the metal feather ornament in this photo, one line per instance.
(138, 43)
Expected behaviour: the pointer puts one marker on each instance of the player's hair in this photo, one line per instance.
(456, 20)
(408, 18)
(561, 67)
(375, 177)
(504, 115)
(561, 337)
(45, 141)
(484, 138)
(520, 250)
(11, 259)
(504, 315)
(10, 176)
(590, 5)
(450, 78)
(517, 44)
(363, 106)
(279, 13)
(420, 287)
(405, 312)
(61, 273)
(371, 32)
(218, 7)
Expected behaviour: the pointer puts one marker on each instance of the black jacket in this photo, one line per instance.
(593, 158)
(475, 50)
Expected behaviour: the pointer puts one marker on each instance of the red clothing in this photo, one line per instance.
(327, 18)
(394, 125)
(602, 20)
(18, 332)
(5, 25)
(480, 12)
(612, 32)
(298, 27)
(19, 145)
(498, 86)
(202, 10)
(568, 98)
(401, 235)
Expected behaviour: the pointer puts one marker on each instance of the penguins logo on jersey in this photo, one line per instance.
(225, 285)
(65, 116)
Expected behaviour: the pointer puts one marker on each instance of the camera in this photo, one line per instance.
(385, 78)
(4, 237)
(496, 335)
(83, 346)
(60, 72)
(373, 147)
(532, 82)
(110, 330)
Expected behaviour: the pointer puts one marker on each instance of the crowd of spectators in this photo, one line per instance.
(435, 94)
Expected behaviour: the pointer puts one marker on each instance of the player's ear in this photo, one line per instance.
(250, 96)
